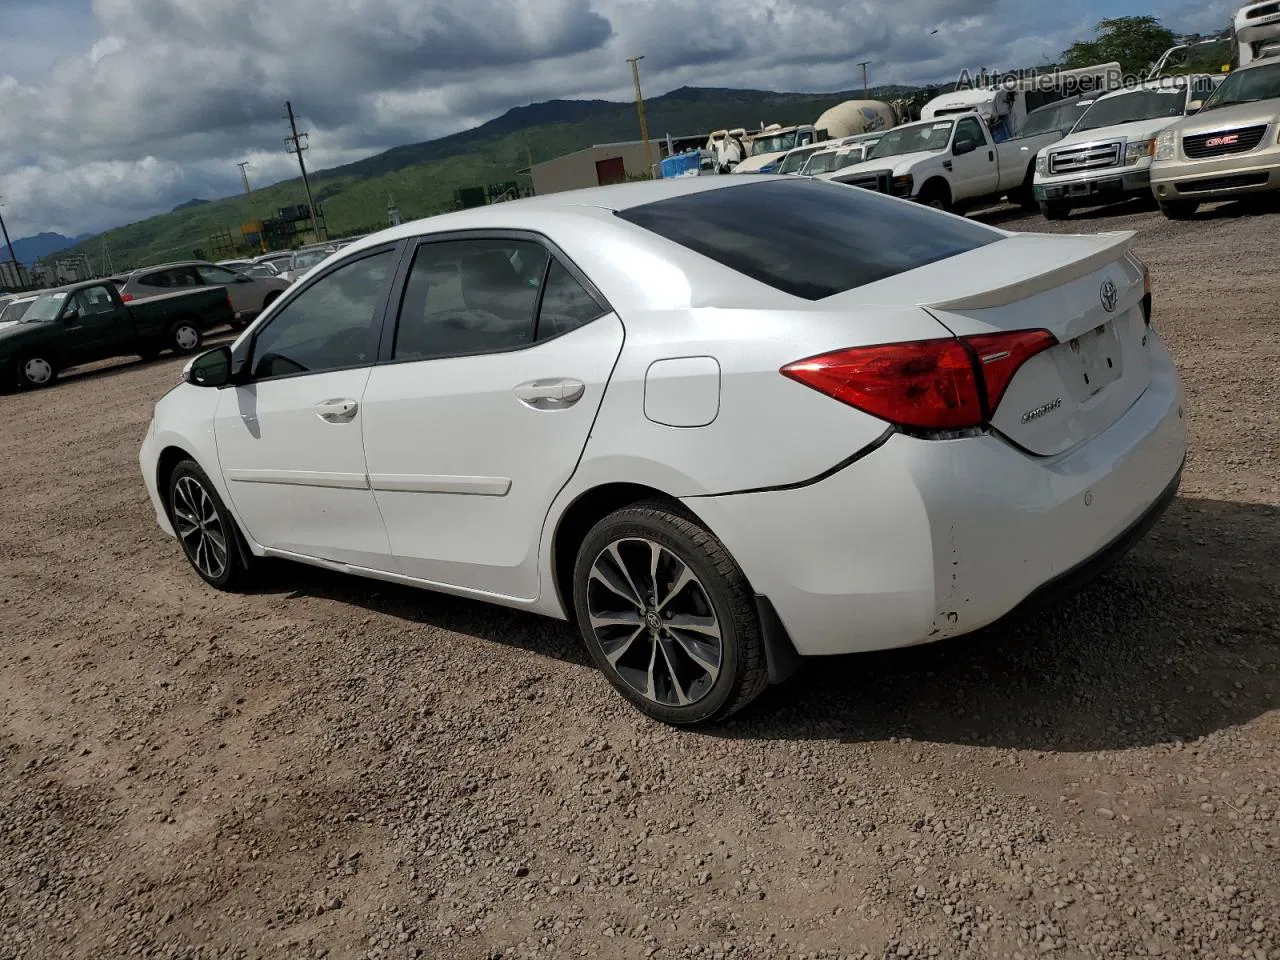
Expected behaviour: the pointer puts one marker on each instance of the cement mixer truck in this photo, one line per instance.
(843, 120)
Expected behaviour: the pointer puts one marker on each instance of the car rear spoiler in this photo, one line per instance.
(1075, 256)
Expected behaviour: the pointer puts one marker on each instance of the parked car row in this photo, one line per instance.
(1180, 141)
(90, 321)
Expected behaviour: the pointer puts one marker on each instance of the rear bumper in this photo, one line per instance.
(923, 540)
(1104, 187)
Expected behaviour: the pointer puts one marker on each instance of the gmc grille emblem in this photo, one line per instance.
(1226, 141)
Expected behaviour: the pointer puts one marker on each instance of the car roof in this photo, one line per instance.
(594, 202)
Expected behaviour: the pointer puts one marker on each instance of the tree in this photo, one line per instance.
(1133, 42)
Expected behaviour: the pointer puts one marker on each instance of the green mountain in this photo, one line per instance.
(422, 177)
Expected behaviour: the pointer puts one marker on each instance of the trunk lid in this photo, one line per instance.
(1087, 291)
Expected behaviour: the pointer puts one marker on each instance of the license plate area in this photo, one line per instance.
(1099, 358)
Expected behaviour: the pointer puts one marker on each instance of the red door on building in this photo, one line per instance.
(610, 171)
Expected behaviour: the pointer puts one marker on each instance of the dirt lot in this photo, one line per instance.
(339, 768)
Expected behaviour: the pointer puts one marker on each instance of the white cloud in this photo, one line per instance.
(151, 102)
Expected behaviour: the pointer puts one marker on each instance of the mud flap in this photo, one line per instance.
(781, 658)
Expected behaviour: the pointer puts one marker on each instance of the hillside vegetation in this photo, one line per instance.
(422, 177)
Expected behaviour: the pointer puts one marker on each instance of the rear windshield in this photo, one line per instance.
(809, 238)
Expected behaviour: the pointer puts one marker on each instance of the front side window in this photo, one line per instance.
(327, 326)
(469, 296)
(216, 276)
(92, 301)
(970, 129)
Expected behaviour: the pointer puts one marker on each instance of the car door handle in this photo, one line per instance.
(551, 394)
(337, 411)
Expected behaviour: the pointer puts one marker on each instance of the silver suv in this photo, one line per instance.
(1229, 148)
(249, 295)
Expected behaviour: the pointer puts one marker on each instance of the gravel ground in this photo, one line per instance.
(333, 767)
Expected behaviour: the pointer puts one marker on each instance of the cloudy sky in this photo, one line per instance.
(113, 110)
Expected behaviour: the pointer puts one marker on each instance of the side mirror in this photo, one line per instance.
(71, 316)
(1194, 106)
(210, 369)
(961, 147)
(243, 279)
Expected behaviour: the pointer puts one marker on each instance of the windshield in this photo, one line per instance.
(914, 138)
(1138, 105)
(834, 160)
(1246, 86)
(775, 144)
(303, 261)
(13, 310)
(1060, 116)
(46, 307)
(794, 160)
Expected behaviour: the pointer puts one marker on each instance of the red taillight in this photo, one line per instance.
(946, 384)
(1000, 355)
(126, 297)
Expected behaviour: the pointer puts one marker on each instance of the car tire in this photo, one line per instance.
(688, 650)
(1055, 211)
(935, 195)
(34, 371)
(185, 336)
(1179, 209)
(208, 534)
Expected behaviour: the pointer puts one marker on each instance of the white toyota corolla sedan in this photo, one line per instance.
(721, 422)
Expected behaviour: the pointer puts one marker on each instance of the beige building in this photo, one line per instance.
(600, 165)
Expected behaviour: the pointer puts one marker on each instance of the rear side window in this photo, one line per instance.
(809, 238)
(566, 304)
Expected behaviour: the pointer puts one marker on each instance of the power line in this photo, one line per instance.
(297, 142)
(244, 176)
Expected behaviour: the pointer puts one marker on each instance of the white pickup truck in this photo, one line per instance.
(950, 163)
(1107, 157)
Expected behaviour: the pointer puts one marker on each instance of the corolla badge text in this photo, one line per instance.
(1041, 410)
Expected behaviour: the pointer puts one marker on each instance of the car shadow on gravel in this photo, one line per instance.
(1175, 642)
(502, 625)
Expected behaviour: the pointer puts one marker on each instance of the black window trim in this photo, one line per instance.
(242, 353)
(391, 316)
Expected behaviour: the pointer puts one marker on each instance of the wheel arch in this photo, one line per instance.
(586, 510)
(937, 182)
(167, 462)
(594, 504)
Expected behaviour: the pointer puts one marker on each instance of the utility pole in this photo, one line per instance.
(244, 176)
(864, 64)
(644, 127)
(297, 143)
(17, 267)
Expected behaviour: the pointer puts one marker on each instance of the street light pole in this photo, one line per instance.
(644, 127)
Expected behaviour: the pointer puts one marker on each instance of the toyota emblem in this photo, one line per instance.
(1109, 295)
